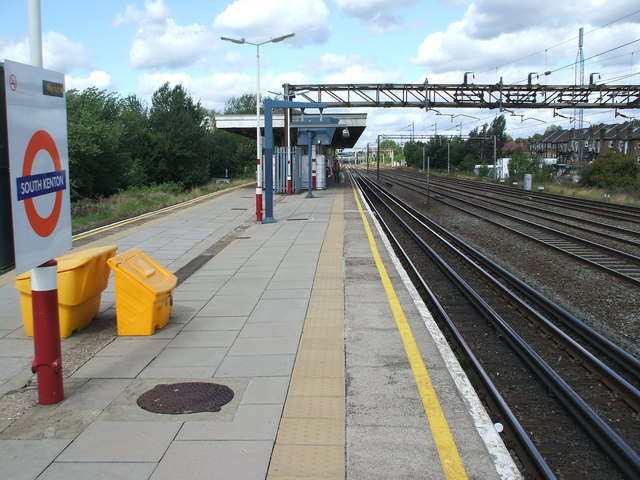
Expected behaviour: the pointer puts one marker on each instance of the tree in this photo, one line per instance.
(458, 150)
(519, 164)
(230, 153)
(499, 129)
(179, 121)
(552, 128)
(136, 141)
(484, 170)
(612, 170)
(468, 164)
(97, 161)
(245, 104)
(390, 150)
(413, 153)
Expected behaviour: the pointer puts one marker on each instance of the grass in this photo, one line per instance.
(622, 197)
(92, 213)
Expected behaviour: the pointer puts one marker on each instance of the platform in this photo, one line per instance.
(308, 325)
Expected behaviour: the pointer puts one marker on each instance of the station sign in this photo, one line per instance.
(38, 164)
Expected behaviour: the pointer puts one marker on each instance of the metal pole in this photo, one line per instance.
(309, 147)
(378, 160)
(268, 162)
(495, 172)
(367, 158)
(47, 362)
(313, 168)
(258, 145)
(428, 178)
(449, 157)
(287, 120)
(35, 33)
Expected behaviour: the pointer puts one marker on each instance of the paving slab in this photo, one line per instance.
(250, 422)
(98, 471)
(105, 441)
(19, 460)
(205, 322)
(256, 366)
(228, 459)
(266, 390)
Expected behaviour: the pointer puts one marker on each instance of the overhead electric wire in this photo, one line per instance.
(559, 44)
(592, 56)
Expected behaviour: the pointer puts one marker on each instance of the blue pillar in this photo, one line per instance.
(310, 147)
(268, 162)
(269, 105)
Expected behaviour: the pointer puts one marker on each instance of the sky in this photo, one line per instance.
(135, 46)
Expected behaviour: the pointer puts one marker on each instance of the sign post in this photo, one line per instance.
(40, 205)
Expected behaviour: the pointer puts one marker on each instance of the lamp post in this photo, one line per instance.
(240, 41)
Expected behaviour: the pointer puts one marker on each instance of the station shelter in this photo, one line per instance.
(350, 127)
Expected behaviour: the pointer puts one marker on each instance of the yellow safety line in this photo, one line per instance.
(447, 450)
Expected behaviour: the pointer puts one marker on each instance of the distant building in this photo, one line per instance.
(502, 168)
(562, 144)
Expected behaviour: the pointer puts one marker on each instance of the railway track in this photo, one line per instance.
(609, 211)
(624, 264)
(568, 410)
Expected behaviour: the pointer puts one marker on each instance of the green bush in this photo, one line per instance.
(611, 171)
(519, 164)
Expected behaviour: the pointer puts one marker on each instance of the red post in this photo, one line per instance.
(313, 174)
(47, 363)
(259, 192)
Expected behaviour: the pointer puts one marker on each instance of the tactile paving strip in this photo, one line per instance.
(190, 397)
(311, 437)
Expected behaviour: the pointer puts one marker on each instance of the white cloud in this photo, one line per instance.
(330, 61)
(260, 20)
(58, 52)
(379, 15)
(495, 39)
(487, 18)
(350, 68)
(361, 74)
(98, 79)
(161, 42)
(154, 12)
(212, 91)
(367, 9)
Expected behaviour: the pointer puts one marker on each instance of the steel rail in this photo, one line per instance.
(601, 432)
(616, 381)
(572, 238)
(606, 210)
(521, 442)
(628, 362)
(463, 188)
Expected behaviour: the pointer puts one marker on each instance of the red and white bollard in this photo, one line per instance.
(47, 363)
(313, 170)
(258, 191)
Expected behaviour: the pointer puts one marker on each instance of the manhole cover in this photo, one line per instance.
(191, 397)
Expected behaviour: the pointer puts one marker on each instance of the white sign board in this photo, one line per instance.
(38, 163)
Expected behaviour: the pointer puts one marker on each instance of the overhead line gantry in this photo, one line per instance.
(468, 95)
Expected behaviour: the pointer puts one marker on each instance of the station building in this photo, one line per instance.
(343, 131)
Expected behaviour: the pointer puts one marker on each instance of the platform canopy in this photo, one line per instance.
(245, 125)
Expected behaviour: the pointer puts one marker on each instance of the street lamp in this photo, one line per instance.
(240, 41)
